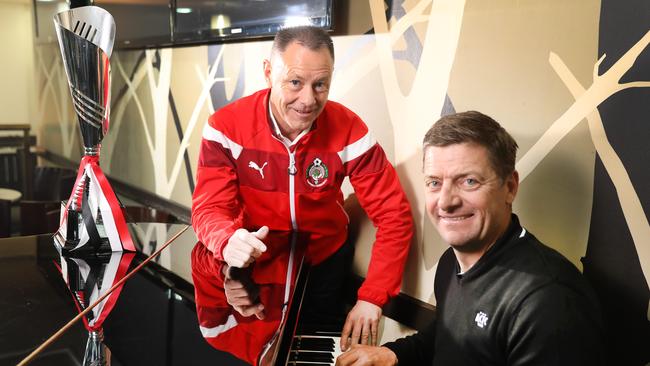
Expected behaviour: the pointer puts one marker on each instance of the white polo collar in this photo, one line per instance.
(278, 132)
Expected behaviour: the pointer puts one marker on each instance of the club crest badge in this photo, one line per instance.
(317, 173)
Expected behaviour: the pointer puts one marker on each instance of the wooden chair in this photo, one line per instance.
(5, 218)
(39, 217)
(53, 183)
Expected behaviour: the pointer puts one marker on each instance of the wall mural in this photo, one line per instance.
(155, 71)
(54, 102)
(618, 254)
(573, 95)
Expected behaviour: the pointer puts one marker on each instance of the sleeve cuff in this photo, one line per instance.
(217, 251)
(373, 296)
(393, 347)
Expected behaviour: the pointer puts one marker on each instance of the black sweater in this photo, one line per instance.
(522, 303)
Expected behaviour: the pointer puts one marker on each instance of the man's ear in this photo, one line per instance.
(512, 183)
(267, 73)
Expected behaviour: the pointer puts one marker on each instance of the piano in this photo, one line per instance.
(152, 320)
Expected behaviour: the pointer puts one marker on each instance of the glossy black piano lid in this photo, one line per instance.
(153, 321)
(35, 304)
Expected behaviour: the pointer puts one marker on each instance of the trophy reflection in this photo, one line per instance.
(227, 299)
(92, 219)
(96, 351)
(89, 279)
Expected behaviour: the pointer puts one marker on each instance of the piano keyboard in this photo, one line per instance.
(317, 348)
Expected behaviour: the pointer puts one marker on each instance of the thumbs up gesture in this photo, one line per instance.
(244, 247)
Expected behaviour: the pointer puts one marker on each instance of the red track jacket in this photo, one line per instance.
(248, 178)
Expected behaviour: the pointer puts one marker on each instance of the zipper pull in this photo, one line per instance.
(292, 164)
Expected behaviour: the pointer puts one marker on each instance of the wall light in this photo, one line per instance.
(219, 21)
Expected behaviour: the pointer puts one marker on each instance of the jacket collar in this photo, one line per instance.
(513, 233)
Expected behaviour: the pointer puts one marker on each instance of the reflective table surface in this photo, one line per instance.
(152, 318)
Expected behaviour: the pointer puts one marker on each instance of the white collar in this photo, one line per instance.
(278, 132)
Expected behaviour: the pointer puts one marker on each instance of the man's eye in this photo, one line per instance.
(470, 182)
(432, 184)
(295, 82)
(320, 86)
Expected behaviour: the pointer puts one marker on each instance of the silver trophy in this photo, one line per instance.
(92, 218)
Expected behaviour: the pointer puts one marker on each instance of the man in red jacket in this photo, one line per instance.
(275, 160)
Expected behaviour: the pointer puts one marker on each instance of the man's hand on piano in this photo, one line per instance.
(244, 247)
(362, 355)
(361, 325)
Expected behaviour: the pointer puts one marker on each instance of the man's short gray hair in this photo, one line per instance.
(313, 38)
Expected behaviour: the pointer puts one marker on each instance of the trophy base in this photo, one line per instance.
(69, 248)
(97, 243)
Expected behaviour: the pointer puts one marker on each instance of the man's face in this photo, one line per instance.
(299, 79)
(466, 200)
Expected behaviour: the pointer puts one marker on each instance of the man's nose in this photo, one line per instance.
(448, 199)
(307, 96)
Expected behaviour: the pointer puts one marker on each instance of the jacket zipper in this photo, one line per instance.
(292, 170)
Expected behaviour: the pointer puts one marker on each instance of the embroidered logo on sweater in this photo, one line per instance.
(253, 165)
(317, 173)
(481, 319)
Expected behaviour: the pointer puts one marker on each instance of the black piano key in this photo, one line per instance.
(316, 344)
(314, 347)
(311, 356)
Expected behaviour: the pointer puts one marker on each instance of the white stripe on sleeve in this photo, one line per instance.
(357, 148)
(215, 331)
(212, 134)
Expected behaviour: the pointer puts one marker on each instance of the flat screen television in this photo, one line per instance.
(205, 20)
(162, 23)
(140, 23)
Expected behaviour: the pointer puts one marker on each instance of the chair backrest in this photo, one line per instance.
(52, 183)
(10, 170)
(39, 217)
(5, 218)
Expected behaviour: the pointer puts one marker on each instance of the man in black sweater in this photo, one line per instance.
(503, 297)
